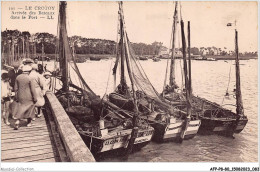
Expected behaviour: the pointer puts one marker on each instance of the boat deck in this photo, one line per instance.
(28, 144)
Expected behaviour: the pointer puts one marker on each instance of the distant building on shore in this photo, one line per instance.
(163, 52)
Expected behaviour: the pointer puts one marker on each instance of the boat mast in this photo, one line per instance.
(122, 50)
(187, 118)
(172, 69)
(73, 49)
(190, 89)
(127, 53)
(62, 52)
(117, 46)
(239, 109)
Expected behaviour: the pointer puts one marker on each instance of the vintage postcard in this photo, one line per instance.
(129, 81)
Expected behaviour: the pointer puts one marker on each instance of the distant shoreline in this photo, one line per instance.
(109, 56)
(231, 57)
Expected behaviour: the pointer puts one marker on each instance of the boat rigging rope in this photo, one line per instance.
(56, 54)
(76, 78)
(182, 75)
(227, 85)
(229, 78)
(117, 47)
(109, 73)
(167, 65)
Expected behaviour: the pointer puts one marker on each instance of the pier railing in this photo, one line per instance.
(75, 148)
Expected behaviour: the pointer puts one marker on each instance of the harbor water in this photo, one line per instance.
(210, 80)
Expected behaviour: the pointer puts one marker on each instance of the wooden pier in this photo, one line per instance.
(28, 144)
(51, 138)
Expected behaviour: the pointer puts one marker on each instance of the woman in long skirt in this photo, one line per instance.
(25, 97)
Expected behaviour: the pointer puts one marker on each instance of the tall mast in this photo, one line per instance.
(186, 123)
(127, 53)
(190, 89)
(239, 109)
(122, 49)
(63, 53)
(172, 69)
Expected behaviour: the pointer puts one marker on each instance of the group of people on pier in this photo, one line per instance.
(23, 89)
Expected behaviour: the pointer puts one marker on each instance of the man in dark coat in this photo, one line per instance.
(13, 73)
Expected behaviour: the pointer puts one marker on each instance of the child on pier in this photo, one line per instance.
(5, 97)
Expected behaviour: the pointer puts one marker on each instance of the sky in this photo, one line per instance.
(148, 21)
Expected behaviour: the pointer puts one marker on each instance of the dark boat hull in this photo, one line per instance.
(156, 60)
(221, 126)
(143, 58)
(224, 122)
(163, 131)
(95, 58)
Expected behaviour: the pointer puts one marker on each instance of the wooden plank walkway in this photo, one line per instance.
(28, 144)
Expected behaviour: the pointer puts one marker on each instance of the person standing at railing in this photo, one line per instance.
(39, 87)
(47, 82)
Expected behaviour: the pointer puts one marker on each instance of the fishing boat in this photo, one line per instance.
(169, 91)
(200, 58)
(143, 58)
(217, 119)
(95, 58)
(80, 60)
(103, 126)
(169, 122)
(155, 59)
(211, 59)
(214, 117)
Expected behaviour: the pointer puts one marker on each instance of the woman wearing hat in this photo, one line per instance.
(47, 82)
(24, 105)
(39, 86)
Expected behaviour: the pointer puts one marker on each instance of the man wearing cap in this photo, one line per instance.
(23, 107)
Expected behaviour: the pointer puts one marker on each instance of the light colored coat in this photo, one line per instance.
(39, 83)
(24, 88)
